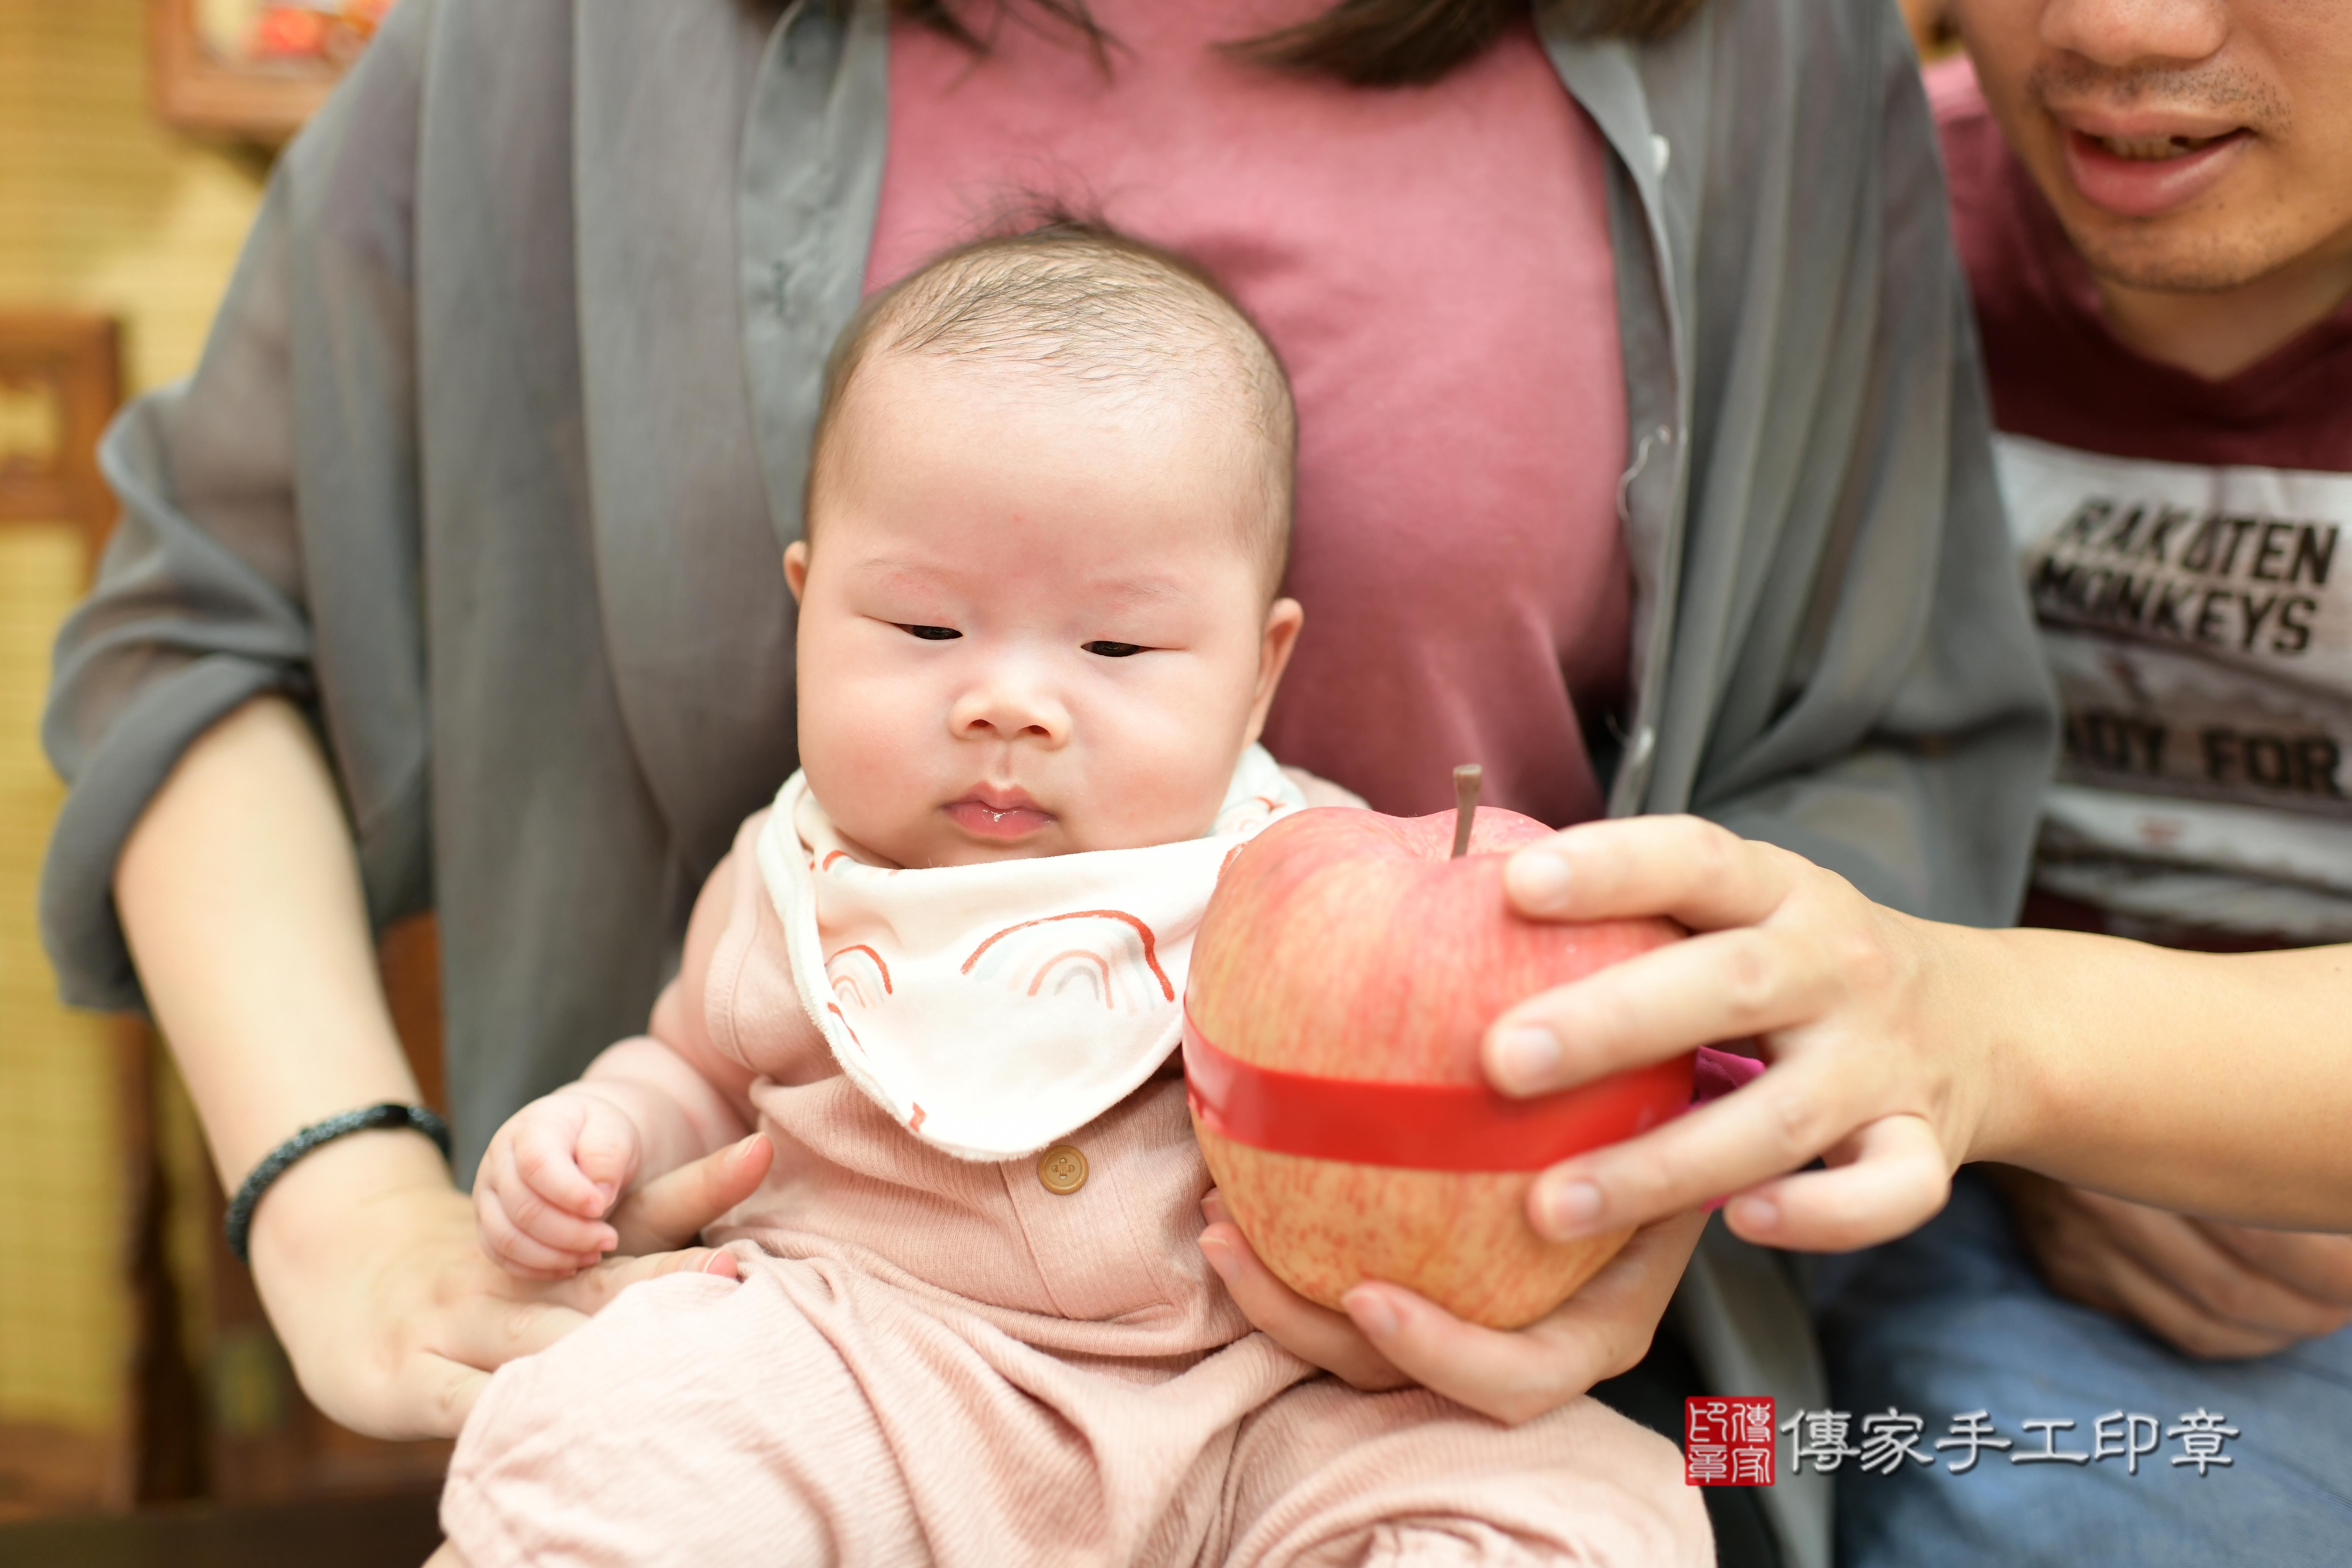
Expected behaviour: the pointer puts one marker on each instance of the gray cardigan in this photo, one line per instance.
(503, 426)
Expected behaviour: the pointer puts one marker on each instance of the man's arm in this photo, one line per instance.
(1901, 1049)
(2208, 1083)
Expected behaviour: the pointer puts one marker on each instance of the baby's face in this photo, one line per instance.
(1029, 624)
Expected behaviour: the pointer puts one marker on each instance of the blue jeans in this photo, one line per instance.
(1954, 1318)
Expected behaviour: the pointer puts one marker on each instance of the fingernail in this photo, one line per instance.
(1527, 1056)
(1537, 880)
(722, 1263)
(1570, 1208)
(1220, 1256)
(608, 1239)
(1373, 1311)
(1213, 1207)
(1753, 1214)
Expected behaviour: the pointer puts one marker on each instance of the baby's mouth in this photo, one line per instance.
(1003, 818)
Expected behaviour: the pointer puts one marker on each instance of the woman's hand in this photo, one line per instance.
(2206, 1289)
(1389, 1337)
(1874, 1068)
(239, 892)
(392, 1316)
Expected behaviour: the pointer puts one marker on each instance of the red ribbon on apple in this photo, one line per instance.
(1421, 1126)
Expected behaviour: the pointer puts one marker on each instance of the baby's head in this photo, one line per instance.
(1048, 512)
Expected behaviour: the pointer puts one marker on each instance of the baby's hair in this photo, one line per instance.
(1082, 303)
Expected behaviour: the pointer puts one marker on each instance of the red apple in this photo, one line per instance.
(1344, 944)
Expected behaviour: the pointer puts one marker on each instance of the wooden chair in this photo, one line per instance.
(77, 1145)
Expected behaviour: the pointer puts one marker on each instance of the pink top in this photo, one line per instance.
(1434, 266)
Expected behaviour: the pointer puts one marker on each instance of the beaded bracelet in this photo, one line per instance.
(390, 1114)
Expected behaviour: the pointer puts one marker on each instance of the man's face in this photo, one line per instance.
(2192, 145)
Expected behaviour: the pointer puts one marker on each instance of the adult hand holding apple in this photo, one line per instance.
(1880, 1031)
(1339, 984)
(1381, 879)
(1858, 1009)
(1899, 1049)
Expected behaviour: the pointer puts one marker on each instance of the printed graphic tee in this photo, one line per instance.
(2183, 541)
(1434, 266)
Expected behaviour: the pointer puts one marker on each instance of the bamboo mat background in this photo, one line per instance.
(63, 1324)
(100, 210)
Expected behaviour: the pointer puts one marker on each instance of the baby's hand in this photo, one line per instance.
(548, 1180)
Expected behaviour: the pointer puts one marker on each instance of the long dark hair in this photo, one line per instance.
(1366, 42)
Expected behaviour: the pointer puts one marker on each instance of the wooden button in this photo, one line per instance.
(1063, 1169)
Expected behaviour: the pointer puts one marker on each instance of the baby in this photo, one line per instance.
(1040, 627)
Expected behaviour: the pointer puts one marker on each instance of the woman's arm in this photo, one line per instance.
(240, 896)
(202, 825)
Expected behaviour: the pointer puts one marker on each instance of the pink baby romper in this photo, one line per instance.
(932, 1360)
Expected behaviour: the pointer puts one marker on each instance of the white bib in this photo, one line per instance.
(991, 1009)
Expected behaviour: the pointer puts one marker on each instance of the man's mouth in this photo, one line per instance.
(2152, 172)
(2158, 149)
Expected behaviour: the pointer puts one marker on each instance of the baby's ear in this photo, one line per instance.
(796, 567)
(1280, 635)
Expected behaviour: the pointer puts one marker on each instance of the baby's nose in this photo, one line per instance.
(1011, 709)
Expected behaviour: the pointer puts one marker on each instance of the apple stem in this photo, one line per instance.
(1465, 805)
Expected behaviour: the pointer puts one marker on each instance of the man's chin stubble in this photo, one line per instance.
(2154, 262)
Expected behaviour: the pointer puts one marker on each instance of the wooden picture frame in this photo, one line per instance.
(193, 88)
(72, 364)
